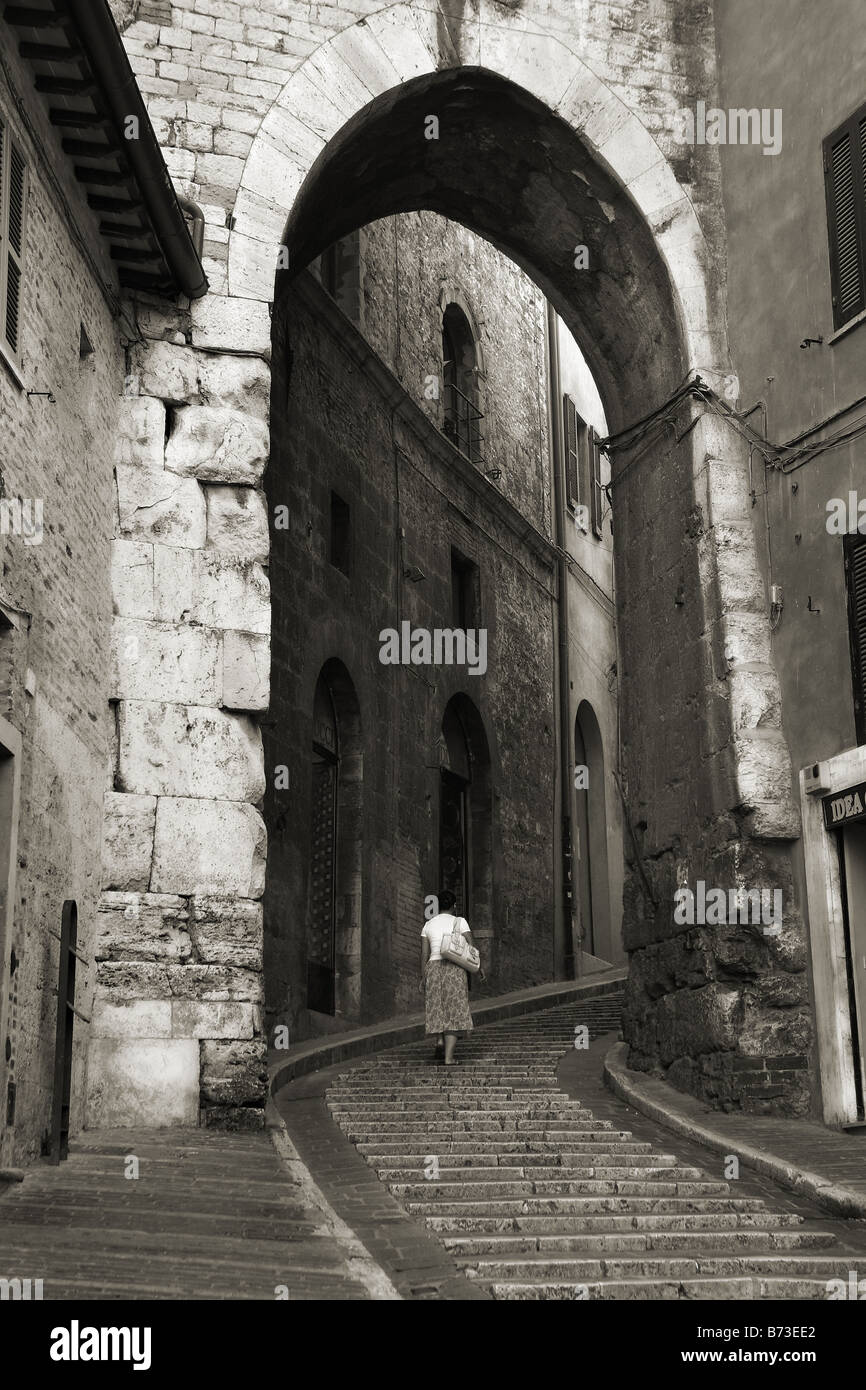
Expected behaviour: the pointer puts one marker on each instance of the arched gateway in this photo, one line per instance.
(533, 151)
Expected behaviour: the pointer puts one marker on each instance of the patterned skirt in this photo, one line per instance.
(447, 998)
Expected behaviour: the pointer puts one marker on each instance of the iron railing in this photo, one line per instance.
(462, 423)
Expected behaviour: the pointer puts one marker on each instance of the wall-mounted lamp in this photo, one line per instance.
(807, 342)
(413, 574)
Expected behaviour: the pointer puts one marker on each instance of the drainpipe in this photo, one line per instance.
(196, 216)
(571, 961)
(106, 56)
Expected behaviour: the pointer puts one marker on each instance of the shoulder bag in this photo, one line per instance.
(456, 948)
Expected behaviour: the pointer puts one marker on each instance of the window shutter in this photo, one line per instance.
(597, 492)
(13, 208)
(15, 248)
(572, 491)
(855, 574)
(845, 180)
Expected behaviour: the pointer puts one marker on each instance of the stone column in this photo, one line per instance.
(177, 1022)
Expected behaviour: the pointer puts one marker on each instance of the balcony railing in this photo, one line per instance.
(462, 423)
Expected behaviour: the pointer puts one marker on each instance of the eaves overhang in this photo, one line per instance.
(81, 69)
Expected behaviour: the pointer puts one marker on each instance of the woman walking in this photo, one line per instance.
(445, 984)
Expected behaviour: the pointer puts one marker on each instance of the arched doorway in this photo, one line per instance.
(593, 888)
(465, 813)
(334, 894)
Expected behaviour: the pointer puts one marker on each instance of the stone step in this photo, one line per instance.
(610, 1224)
(152, 1218)
(549, 1269)
(485, 1150)
(506, 1155)
(687, 1241)
(626, 1290)
(455, 1191)
(370, 1133)
(578, 1205)
(460, 1109)
(469, 1174)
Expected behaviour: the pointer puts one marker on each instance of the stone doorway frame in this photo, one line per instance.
(834, 1034)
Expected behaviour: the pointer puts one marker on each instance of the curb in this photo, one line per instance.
(635, 1088)
(359, 1261)
(317, 1053)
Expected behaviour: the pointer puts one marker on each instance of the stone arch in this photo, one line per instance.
(402, 43)
(538, 132)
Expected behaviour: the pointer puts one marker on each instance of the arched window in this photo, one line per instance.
(462, 422)
(334, 895)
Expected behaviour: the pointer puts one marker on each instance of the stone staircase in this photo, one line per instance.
(537, 1199)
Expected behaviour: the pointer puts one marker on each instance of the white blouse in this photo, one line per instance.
(442, 925)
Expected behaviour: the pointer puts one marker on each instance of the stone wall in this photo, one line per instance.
(177, 1020)
(412, 267)
(336, 435)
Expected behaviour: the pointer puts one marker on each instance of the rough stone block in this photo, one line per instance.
(227, 931)
(241, 383)
(132, 578)
(243, 325)
(142, 926)
(176, 663)
(237, 522)
(189, 751)
(215, 983)
(208, 847)
(211, 589)
(233, 1073)
(140, 437)
(161, 507)
(131, 1018)
(165, 370)
(193, 1018)
(218, 445)
(142, 1083)
(246, 671)
(132, 979)
(234, 1118)
(127, 841)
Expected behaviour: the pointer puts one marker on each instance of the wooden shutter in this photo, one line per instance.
(845, 181)
(596, 490)
(855, 575)
(13, 207)
(572, 487)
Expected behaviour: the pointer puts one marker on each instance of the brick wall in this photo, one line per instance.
(56, 659)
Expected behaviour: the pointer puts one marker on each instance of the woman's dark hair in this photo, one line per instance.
(446, 900)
